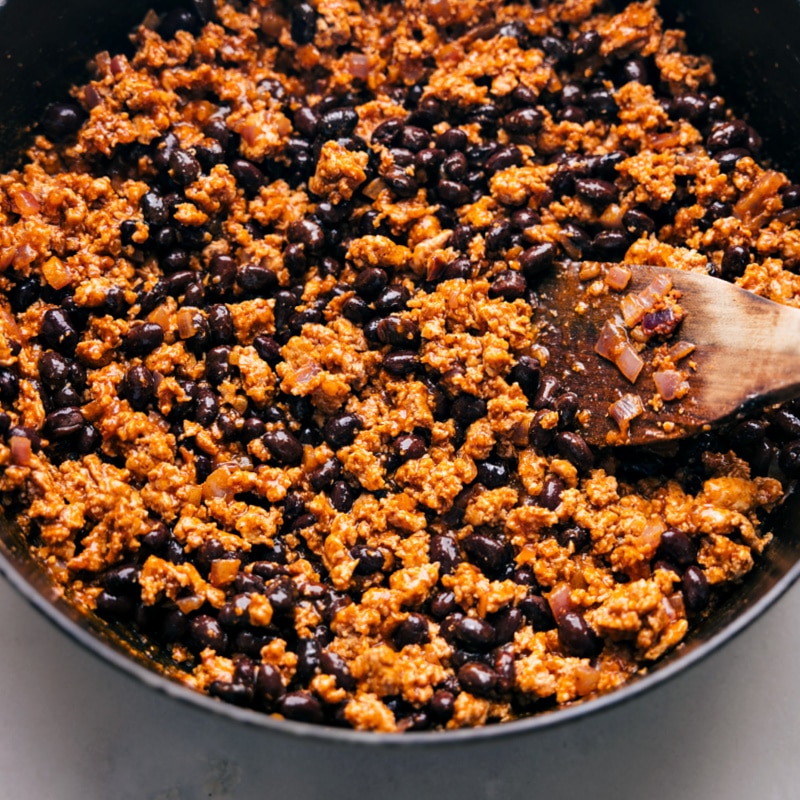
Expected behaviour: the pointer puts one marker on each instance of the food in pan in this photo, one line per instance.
(271, 392)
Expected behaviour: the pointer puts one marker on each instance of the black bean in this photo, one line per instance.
(281, 594)
(303, 20)
(9, 385)
(477, 678)
(786, 422)
(578, 537)
(467, 409)
(205, 631)
(308, 652)
(268, 349)
(370, 282)
(209, 153)
(370, 560)
(560, 49)
(790, 195)
(527, 373)
(325, 474)
(122, 580)
(696, 591)
(218, 366)
(577, 637)
(508, 156)
(233, 614)
(184, 168)
(247, 175)
(402, 184)
(64, 422)
(61, 120)
(340, 430)
(109, 606)
(400, 362)
(308, 233)
(602, 102)
(572, 114)
(409, 447)
(220, 323)
(284, 447)
(342, 496)
(727, 135)
(443, 604)
(498, 237)
(550, 496)
(596, 190)
(506, 623)
(537, 611)
(256, 279)
(488, 553)
(458, 268)
(221, 274)
(398, 331)
(735, 261)
(253, 428)
(56, 331)
(523, 121)
(509, 284)
(301, 706)
(89, 440)
(388, 132)
(492, 474)
(677, 548)
(66, 396)
(637, 223)
(154, 208)
(443, 548)
(476, 633)
(337, 123)
(609, 245)
(206, 406)
(453, 193)
(178, 19)
(453, 139)
(403, 157)
(138, 386)
(728, 159)
(747, 434)
(573, 447)
(334, 664)
(269, 684)
(414, 138)
(586, 44)
(442, 706)
(454, 166)
(536, 259)
(143, 338)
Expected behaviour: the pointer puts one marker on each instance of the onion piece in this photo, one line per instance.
(186, 319)
(680, 350)
(627, 408)
(629, 362)
(560, 600)
(612, 339)
(56, 273)
(359, 66)
(618, 277)
(20, 447)
(633, 309)
(670, 384)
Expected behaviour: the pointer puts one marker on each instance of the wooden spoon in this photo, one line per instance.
(747, 351)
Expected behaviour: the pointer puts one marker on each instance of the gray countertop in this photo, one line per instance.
(74, 728)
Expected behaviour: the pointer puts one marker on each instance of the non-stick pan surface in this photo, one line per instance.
(43, 49)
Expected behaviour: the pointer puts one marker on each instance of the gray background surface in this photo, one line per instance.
(74, 728)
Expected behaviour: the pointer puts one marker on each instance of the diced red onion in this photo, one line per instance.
(618, 277)
(629, 362)
(20, 450)
(680, 350)
(560, 601)
(670, 384)
(612, 339)
(627, 408)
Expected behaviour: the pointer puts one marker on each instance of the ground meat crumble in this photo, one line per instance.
(271, 390)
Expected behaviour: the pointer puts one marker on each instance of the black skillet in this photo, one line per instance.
(756, 48)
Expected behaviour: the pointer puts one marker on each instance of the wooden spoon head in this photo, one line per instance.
(725, 371)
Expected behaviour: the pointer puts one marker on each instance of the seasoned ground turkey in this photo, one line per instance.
(271, 389)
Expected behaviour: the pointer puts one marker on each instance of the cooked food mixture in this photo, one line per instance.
(271, 391)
